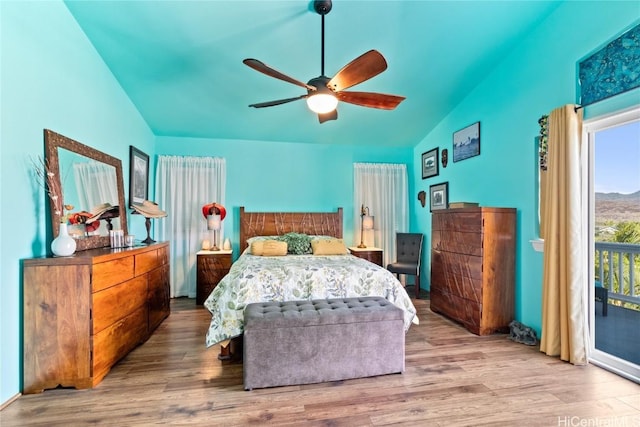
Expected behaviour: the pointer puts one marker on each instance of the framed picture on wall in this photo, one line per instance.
(439, 196)
(138, 176)
(466, 142)
(430, 163)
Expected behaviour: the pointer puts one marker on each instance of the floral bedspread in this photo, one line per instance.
(297, 277)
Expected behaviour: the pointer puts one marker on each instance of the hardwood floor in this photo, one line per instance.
(452, 378)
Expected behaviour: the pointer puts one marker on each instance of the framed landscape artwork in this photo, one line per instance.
(466, 142)
(439, 196)
(430, 163)
(138, 176)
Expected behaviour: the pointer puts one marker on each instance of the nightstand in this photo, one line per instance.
(212, 267)
(371, 254)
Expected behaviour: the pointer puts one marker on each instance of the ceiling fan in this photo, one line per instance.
(323, 93)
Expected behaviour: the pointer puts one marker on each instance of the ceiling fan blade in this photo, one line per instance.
(371, 99)
(277, 102)
(362, 68)
(331, 115)
(265, 69)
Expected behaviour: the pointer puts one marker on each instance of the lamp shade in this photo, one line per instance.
(367, 222)
(214, 222)
(214, 208)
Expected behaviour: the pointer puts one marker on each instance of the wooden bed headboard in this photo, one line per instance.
(278, 223)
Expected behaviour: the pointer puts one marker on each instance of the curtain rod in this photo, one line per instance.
(575, 109)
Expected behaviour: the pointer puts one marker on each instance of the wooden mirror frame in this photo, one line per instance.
(53, 141)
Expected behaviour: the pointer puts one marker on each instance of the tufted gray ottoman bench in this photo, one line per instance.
(304, 342)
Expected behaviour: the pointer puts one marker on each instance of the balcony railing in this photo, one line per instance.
(618, 270)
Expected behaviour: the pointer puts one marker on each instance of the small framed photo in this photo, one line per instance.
(138, 176)
(439, 196)
(430, 163)
(466, 142)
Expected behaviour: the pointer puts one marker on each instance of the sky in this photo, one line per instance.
(617, 161)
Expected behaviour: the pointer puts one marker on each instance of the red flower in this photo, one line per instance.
(81, 218)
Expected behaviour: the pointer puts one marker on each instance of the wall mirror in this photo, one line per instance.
(90, 181)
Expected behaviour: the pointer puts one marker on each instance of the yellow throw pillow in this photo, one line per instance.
(269, 248)
(257, 247)
(328, 247)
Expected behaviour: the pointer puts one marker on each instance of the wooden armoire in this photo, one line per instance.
(473, 267)
(85, 312)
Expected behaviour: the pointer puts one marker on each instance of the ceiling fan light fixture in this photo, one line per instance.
(324, 92)
(322, 103)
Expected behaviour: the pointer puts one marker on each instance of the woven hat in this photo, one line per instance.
(98, 211)
(149, 209)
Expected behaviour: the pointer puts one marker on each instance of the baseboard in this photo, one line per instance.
(10, 401)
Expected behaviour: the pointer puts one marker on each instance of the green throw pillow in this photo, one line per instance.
(297, 243)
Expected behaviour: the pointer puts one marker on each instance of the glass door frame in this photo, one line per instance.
(590, 127)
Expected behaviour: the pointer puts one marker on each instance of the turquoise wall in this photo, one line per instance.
(538, 76)
(286, 176)
(51, 78)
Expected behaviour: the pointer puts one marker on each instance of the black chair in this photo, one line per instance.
(602, 294)
(408, 256)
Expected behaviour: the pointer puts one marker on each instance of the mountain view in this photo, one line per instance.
(617, 207)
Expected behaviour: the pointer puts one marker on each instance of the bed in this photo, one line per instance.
(255, 278)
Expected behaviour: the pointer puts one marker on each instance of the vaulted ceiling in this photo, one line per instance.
(180, 62)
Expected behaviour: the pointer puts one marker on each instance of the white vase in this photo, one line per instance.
(63, 245)
(227, 244)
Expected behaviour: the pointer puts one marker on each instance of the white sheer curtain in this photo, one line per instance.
(96, 184)
(383, 188)
(183, 186)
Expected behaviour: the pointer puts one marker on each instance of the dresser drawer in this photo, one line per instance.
(114, 342)
(470, 221)
(221, 262)
(109, 273)
(445, 263)
(455, 284)
(116, 302)
(457, 242)
(147, 261)
(459, 309)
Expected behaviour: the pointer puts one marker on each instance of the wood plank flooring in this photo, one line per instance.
(452, 378)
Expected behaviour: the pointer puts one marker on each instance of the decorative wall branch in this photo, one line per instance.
(544, 140)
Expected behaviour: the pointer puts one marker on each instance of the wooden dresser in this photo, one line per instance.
(85, 312)
(473, 267)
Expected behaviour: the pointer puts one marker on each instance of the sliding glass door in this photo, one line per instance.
(614, 218)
